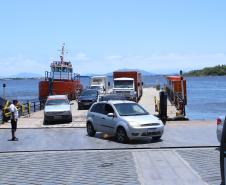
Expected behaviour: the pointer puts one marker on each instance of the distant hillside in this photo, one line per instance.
(26, 75)
(143, 72)
(219, 70)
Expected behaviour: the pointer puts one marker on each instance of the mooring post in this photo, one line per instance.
(4, 86)
(182, 89)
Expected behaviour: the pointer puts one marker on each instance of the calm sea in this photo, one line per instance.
(206, 95)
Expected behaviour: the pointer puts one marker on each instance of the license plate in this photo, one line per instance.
(150, 130)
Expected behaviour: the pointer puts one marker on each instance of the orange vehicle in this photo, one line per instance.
(128, 83)
(176, 90)
(60, 81)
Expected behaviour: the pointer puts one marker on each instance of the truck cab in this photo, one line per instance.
(128, 84)
(125, 87)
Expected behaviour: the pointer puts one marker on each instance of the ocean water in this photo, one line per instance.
(206, 95)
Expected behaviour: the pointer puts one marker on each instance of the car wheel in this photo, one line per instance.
(90, 130)
(156, 137)
(69, 120)
(121, 135)
(45, 122)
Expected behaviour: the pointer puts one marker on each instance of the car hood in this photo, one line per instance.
(87, 98)
(57, 108)
(142, 119)
(123, 89)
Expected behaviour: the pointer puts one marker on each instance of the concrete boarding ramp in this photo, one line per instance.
(35, 120)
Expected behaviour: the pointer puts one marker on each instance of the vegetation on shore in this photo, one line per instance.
(219, 70)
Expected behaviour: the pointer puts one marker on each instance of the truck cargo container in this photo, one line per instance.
(100, 83)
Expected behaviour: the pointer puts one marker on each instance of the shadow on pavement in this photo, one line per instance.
(111, 138)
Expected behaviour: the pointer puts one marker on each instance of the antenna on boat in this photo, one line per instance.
(62, 53)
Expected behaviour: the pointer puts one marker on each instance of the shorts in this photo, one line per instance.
(13, 125)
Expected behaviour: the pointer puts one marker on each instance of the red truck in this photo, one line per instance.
(128, 84)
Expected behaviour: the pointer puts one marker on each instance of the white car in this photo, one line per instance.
(220, 124)
(124, 119)
(57, 108)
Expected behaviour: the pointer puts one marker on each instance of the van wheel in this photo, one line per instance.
(90, 130)
(121, 135)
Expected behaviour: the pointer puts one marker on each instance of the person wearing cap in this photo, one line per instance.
(14, 119)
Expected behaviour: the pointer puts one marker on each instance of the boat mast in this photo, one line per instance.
(62, 53)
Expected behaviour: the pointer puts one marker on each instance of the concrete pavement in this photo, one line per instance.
(69, 156)
(175, 135)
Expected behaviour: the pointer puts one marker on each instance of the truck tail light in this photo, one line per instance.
(219, 121)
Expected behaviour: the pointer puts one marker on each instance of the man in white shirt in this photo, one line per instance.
(14, 119)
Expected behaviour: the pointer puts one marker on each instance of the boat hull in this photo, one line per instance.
(71, 88)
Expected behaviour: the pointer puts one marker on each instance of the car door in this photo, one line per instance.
(108, 123)
(97, 113)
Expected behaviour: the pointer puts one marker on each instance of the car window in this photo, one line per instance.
(98, 108)
(108, 109)
(130, 109)
(57, 102)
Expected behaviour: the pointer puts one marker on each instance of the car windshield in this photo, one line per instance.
(57, 102)
(123, 84)
(89, 93)
(130, 109)
(96, 87)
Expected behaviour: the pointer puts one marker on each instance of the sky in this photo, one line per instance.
(100, 36)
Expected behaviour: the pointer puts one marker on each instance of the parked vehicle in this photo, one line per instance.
(57, 108)
(100, 88)
(124, 119)
(220, 124)
(87, 98)
(108, 97)
(129, 84)
(100, 83)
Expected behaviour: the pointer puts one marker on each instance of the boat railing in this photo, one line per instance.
(25, 108)
(61, 75)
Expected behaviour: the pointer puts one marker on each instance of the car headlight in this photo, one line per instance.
(133, 93)
(134, 124)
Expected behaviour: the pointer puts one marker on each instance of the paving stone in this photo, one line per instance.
(69, 168)
(205, 161)
(164, 167)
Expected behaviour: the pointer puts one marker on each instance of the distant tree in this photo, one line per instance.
(219, 70)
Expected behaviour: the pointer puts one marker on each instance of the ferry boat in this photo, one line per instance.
(60, 80)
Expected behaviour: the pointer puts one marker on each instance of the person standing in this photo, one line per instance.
(14, 119)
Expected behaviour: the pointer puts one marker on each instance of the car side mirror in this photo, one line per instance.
(111, 115)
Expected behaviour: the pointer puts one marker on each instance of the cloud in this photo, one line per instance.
(155, 63)
(114, 57)
(18, 64)
(161, 63)
(81, 57)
